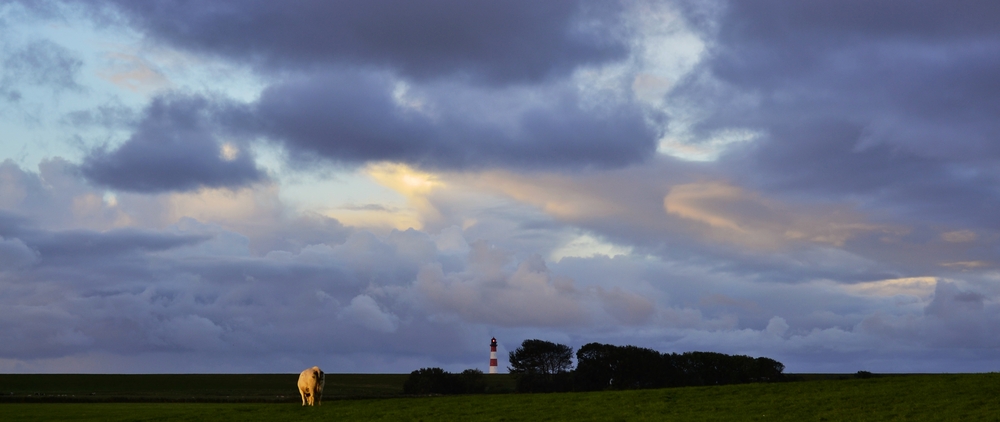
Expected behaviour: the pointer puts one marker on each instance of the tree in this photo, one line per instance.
(771, 370)
(541, 366)
(639, 367)
(604, 366)
(596, 364)
(540, 357)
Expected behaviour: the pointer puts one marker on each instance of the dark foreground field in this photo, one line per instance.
(965, 397)
(215, 388)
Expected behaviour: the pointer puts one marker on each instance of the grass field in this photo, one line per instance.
(259, 388)
(965, 397)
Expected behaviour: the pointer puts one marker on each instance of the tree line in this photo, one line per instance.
(605, 366)
(439, 381)
(542, 366)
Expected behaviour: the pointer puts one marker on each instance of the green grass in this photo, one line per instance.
(966, 397)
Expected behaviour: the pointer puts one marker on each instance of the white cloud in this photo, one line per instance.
(488, 293)
(15, 254)
(365, 312)
(586, 246)
(187, 332)
(452, 241)
(626, 307)
(776, 327)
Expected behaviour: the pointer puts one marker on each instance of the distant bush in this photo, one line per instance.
(438, 381)
(471, 381)
(429, 381)
(544, 383)
(863, 374)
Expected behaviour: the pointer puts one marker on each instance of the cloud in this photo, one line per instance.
(55, 196)
(776, 326)
(447, 84)
(656, 210)
(14, 254)
(109, 115)
(364, 311)
(823, 194)
(187, 332)
(530, 295)
(175, 147)
(85, 244)
(887, 106)
(955, 317)
(734, 214)
(959, 236)
(196, 289)
(949, 300)
(39, 331)
(626, 307)
(133, 73)
(354, 116)
(39, 63)
(912, 286)
(515, 42)
(14, 188)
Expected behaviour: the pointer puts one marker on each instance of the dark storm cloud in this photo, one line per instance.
(175, 147)
(334, 69)
(820, 156)
(520, 40)
(891, 101)
(84, 244)
(756, 38)
(352, 117)
(21, 239)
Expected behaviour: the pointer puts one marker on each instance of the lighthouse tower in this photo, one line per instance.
(493, 355)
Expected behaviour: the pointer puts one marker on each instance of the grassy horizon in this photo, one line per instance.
(205, 388)
(935, 397)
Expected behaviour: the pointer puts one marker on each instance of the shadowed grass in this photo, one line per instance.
(188, 387)
(967, 397)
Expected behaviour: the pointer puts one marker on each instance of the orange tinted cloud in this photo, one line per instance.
(730, 213)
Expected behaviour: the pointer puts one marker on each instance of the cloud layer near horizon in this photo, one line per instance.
(522, 171)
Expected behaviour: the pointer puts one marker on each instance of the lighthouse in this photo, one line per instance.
(493, 355)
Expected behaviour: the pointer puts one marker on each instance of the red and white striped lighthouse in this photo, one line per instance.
(493, 355)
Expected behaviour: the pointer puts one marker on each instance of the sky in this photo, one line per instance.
(380, 186)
